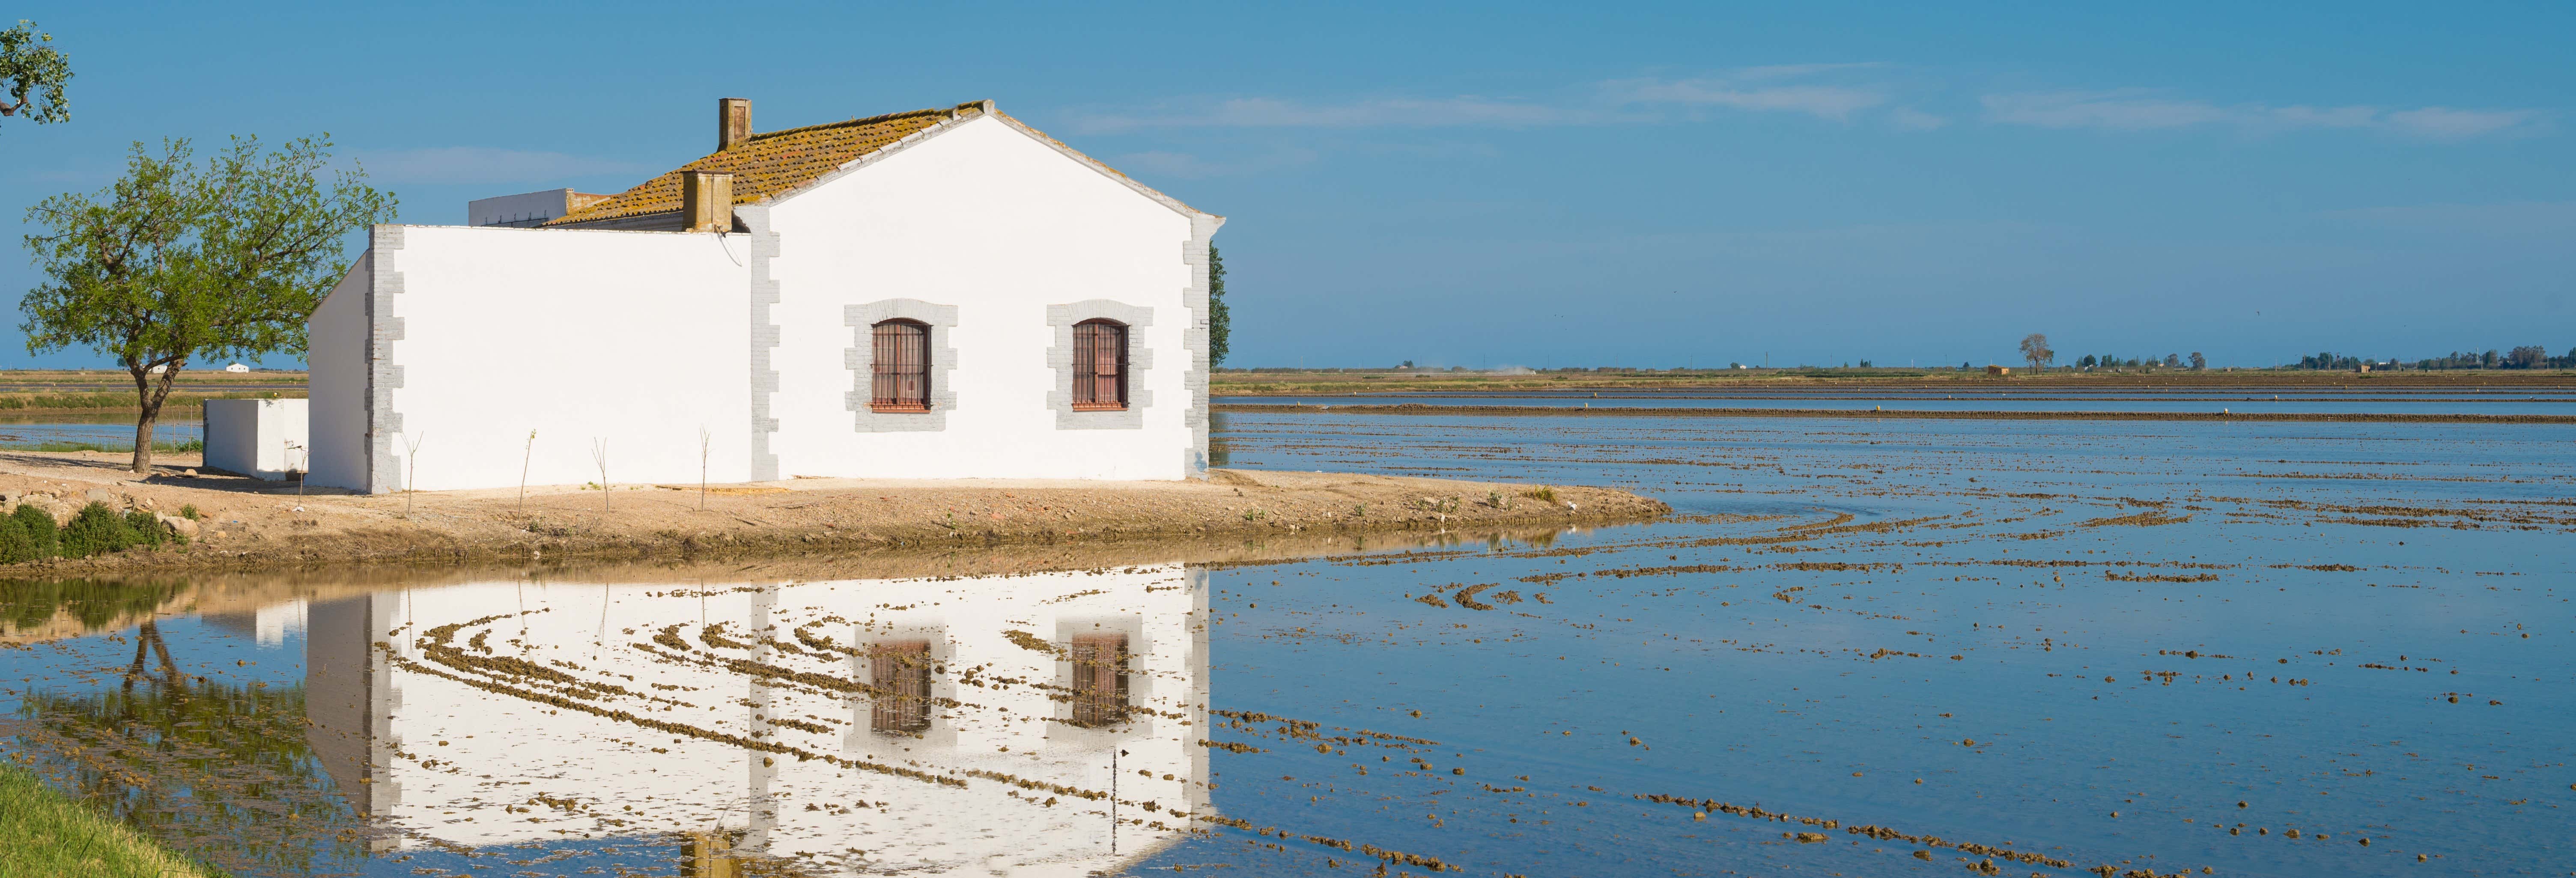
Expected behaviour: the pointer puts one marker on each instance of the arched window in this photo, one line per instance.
(1099, 365)
(902, 379)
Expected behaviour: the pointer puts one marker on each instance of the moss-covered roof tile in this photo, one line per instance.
(772, 163)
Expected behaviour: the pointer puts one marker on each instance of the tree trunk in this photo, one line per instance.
(150, 398)
(143, 438)
(143, 423)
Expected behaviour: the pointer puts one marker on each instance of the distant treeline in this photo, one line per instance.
(2525, 357)
(2170, 361)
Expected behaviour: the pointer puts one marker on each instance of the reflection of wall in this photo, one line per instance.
(350, 699)
(267, 624)
(459, 755)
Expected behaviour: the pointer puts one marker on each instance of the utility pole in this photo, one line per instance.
(1113, 797)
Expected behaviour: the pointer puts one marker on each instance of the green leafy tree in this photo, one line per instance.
(2034, 348)
(35, 73)
(1220, 321)
(174, 264)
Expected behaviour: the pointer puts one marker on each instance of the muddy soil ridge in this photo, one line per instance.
(246, 524)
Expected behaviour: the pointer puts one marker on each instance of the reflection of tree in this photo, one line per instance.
(29, 603)
(220, 772)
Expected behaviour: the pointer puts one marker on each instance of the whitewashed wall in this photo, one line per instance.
(409, 732)
(337, 356)
(261, 438)
(1001, 226)
(640, 339)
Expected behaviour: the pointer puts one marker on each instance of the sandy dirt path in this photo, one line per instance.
(244, 523)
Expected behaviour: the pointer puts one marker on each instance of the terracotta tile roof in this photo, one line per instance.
(772, 163)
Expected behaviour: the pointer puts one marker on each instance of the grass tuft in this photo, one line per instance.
(47, 834)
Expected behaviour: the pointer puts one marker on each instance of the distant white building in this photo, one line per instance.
(237, 368)
(938, 293)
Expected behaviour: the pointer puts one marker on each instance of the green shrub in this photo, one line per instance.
(38, 527)
(146, 528)
(14, 545)
(190, 512)
(96, 530)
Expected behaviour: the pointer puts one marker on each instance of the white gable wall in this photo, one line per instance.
(636, 338)
(337, 356)
(984, 218)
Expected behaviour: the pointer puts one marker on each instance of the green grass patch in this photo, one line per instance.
(191, 445)
(126, 402)
(47, 834)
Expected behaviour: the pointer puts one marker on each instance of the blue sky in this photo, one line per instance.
(1540, 185)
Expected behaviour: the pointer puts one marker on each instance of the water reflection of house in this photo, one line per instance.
(856, 727)
(268, 624)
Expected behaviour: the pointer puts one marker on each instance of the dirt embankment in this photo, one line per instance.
(246, 524)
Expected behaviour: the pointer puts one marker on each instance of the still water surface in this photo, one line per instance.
(2535, 403)
(1894, 648)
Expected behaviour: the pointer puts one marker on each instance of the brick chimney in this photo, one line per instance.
(706, 201)
(733, 122)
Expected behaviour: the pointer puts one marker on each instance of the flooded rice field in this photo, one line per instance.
(114, 432)
(1921, 647)
(2304, 401)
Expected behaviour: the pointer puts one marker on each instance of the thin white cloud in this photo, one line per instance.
(476, 165)
(1781, 88)
(2447, 123)
(1911, 119)
(2143, 110)
(1372, 113)
(1798, 71)
(1163, 163)
(2125, 111)
(2533, 219)
(1834, 102)
(1845, 92)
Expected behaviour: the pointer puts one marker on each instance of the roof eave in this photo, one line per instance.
(986, 109)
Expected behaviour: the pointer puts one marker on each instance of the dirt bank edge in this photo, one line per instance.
(240, 529)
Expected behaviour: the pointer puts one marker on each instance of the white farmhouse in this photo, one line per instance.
(941, 293)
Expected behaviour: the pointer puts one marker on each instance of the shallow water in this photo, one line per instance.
(2162, 621)
(2291, 402)
(112, 432)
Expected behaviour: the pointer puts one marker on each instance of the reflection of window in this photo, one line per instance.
(1099, 679)
(900, 673)
(901, 382)
(1099, 365)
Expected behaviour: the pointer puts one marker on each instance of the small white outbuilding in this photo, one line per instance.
(942, 293)
(237, 369)
(259, 438)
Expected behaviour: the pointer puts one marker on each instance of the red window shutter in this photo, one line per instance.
(1099, 679)
(901, 379)
(900, 675)
(1099, 365)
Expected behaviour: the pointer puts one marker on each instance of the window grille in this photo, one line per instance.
(1099, 365)
(1099, 679)
(902, 369)
(900, 674)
